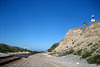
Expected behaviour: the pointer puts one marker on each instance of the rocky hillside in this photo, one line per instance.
(84, 42)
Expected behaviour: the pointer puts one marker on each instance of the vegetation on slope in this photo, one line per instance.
(78, 52)
(6, 48)
(94, 60)
(53, 47)
(68, 52)
(84, 53)
(87, 54)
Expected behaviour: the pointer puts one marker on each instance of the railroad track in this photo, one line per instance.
(8, 59)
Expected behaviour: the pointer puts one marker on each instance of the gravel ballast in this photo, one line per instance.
(39, 60)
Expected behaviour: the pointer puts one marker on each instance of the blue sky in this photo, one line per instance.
(38, 24)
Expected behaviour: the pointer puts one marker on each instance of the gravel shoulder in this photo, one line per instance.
(71, 61)
(39, 60)
(36, 60)
(2, 55)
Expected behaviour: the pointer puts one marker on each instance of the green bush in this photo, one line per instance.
(79, 52)
(87, 54)
(53, 47)
(94, 60)
(75, 53)
(93, 50)
(90, 44)
(69, 52)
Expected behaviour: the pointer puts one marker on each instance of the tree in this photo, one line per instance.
(86, 24)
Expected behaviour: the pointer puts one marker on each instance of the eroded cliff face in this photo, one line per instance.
(80, 38)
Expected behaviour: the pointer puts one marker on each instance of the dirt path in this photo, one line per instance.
(36, 60)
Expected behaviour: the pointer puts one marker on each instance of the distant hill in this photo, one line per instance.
(84, 42)
(4, 48)
(53, 47)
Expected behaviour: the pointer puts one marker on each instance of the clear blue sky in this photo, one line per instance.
(38, 24)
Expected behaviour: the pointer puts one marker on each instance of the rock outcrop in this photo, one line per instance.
(86, 39)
